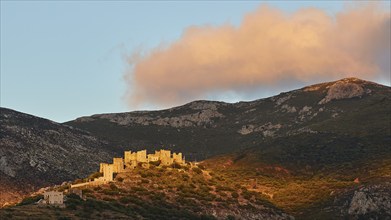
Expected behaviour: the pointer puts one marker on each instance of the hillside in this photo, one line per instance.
(35, 152)
(323, 136)
(349, 108)
(180, 192)
(319, 152)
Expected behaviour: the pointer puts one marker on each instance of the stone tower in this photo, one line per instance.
(118, 164)
(142, 156)
(165, 157)
(178, 158)
(108, 170)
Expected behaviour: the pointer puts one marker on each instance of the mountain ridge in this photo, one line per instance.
(326, 135)
(296, 108)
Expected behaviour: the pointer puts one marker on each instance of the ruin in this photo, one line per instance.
(53, 198)
(130, 161)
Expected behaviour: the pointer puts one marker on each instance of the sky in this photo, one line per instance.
(65, 59)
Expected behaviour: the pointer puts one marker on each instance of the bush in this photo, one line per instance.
(85, 191)
(78, 181)
(197, 170)
(222, 194)
(234, 195)
(120, 179)
(230, 217)
(113, 186)
(110, 192)
(125, 200)
(73, 196)
(202, 167)
(98, 188)
(95, 175)
(176, 165)
(155, 163)
(31, 200)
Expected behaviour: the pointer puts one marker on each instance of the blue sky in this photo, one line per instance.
(65, 59)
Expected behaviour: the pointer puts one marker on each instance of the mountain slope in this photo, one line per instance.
(306, 151)
(200, 129)
(175, 192)
(36, 152)
(303, 148)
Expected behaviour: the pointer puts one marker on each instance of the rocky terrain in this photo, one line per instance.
(371, 201)
(35, 152)
(301, 151)
(202, 129)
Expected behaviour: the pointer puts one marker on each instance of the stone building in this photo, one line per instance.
(53, 198)
(130, 161)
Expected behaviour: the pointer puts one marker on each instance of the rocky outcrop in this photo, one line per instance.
(267, 129)
(202, 117)
(342, 90)
(364, 202)
(371, 199)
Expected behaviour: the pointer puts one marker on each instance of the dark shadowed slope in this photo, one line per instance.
(35, 152)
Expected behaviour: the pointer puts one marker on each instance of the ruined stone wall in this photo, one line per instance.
(108, 170)
(118, 165)
(101, 165)
(127, 156)
(152, 157)
(177, 157)
(165, 157)
(142, 156)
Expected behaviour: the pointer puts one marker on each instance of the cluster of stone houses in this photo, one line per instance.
(132, 160)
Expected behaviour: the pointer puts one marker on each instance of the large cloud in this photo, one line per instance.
(269, 47)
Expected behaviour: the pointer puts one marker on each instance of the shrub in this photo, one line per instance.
(155, 163)
(230, 217)
(125, 200)
(185, 177)
(120, 179)
(110, 192)
(73, 196)
(196, 170)
(234, 195)
(202, 167)
(85, 191)
(77, 181)
(31, 200)
(223, 194)
(176, 165)
(113, 186)
(95, 175)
